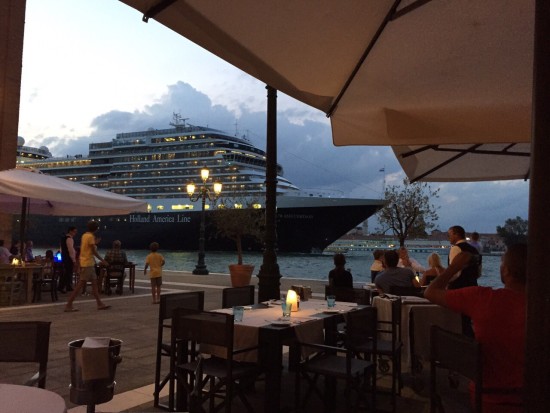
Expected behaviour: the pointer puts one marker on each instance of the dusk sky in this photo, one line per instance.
(92, 69)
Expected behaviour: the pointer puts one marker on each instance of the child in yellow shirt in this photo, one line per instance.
(156, 262)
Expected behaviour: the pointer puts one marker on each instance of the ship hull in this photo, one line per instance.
(299, 229)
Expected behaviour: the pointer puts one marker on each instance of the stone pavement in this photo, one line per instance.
(132, 319)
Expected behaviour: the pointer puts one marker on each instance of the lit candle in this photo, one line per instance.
(292, 298)
(15, 261)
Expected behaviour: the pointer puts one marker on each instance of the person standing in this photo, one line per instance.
(28, 255)
(88, 250)
(499, 322)
(339, 277)
(156, 262)
(68, 258)
(474, 242)
(469, 274)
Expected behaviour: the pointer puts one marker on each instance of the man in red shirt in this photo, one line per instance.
(498, 317)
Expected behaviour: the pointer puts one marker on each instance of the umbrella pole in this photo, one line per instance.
(22, 225)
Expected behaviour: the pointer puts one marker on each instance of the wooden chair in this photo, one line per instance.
(237, 296)
(168, 303)
(10, 288)
(459, 354)
(350, 295)
(389, 345)
(26, 341)
(342, 362)
(114, 277)
(407, 291)
(204, 341)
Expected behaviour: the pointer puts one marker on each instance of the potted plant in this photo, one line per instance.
(237, 224)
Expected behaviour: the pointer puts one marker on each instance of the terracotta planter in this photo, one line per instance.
(240, 274)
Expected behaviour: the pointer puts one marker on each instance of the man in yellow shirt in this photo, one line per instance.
(88, 250)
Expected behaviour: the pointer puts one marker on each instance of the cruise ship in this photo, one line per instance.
(156, 165)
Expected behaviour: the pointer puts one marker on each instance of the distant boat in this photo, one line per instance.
(155, 165)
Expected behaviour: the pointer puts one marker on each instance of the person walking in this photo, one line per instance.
(88, 250)
(156, 262)
(68, 259)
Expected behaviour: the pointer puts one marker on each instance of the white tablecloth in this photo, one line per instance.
(25, 399)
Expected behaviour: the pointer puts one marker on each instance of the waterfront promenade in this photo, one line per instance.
(133, 319)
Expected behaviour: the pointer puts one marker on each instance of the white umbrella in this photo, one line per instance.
(29, 191)
(49, 195)
(465, 162)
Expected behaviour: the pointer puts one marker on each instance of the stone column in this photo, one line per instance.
(12, 24)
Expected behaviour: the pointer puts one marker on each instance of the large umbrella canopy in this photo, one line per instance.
(465, 162)
(386, 72)
(49, 195)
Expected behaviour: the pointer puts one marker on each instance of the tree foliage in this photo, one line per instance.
(514, 231)
(409, 211)
(239, 223)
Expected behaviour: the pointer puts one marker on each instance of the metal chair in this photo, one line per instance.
(26, 341)
(237, 296)
(193, 300)
(459, 354)
(204, 343)
(328, 361)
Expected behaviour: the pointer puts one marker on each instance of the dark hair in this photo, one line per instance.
(339, 260)
(515, 259)
(458, 230)
(71, 228)
(391, 258)
(154, 246)
(475, 235)
(92, 226)
(49, 254)
(377, 254)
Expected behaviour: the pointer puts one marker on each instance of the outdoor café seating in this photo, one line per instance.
(10, 287)
(237, 296)
(26, 342)
(168, 303)
(208, 334)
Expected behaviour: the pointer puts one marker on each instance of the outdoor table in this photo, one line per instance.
(257, 329)
(17, 399)
(26, 272)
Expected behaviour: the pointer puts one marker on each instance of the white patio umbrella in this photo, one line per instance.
(405, 73)
(30, 191)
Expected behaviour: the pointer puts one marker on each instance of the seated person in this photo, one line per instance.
(434, 261)
(116, 257)
(498, 317)
(407, 262)
(339, 277)
(394, 276)
(378, 265)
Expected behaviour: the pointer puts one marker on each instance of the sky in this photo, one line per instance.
(92, 69)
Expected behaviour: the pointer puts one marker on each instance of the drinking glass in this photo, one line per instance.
(331, 301)
(287, 308)
(238, 312)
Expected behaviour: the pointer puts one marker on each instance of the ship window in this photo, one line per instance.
(257, 206)
(181, 207)
(160, 207)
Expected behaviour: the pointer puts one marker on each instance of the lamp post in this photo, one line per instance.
(203, 193)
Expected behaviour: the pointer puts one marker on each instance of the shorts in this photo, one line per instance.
(87, 274)
(156, 281)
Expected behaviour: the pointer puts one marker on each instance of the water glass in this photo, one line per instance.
(287, 308)
(238, 312)
(331, 301)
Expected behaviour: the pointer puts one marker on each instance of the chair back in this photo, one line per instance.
(204, 328)
(457, 353)
(115, 269)
(350, 295)
(192, 300)
(408, 291)
(237, 296)
(26, 341)
(361, 327)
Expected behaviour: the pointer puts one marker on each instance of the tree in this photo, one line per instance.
(239, 223)
(409, 211)
(514, 231)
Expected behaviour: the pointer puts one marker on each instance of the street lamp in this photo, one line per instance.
(203, 193)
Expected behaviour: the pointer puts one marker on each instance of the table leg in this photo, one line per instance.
(132, 278)
(271, 357)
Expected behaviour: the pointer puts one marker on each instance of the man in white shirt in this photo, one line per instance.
(4, 253)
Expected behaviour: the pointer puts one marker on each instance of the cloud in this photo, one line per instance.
(307, 154)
